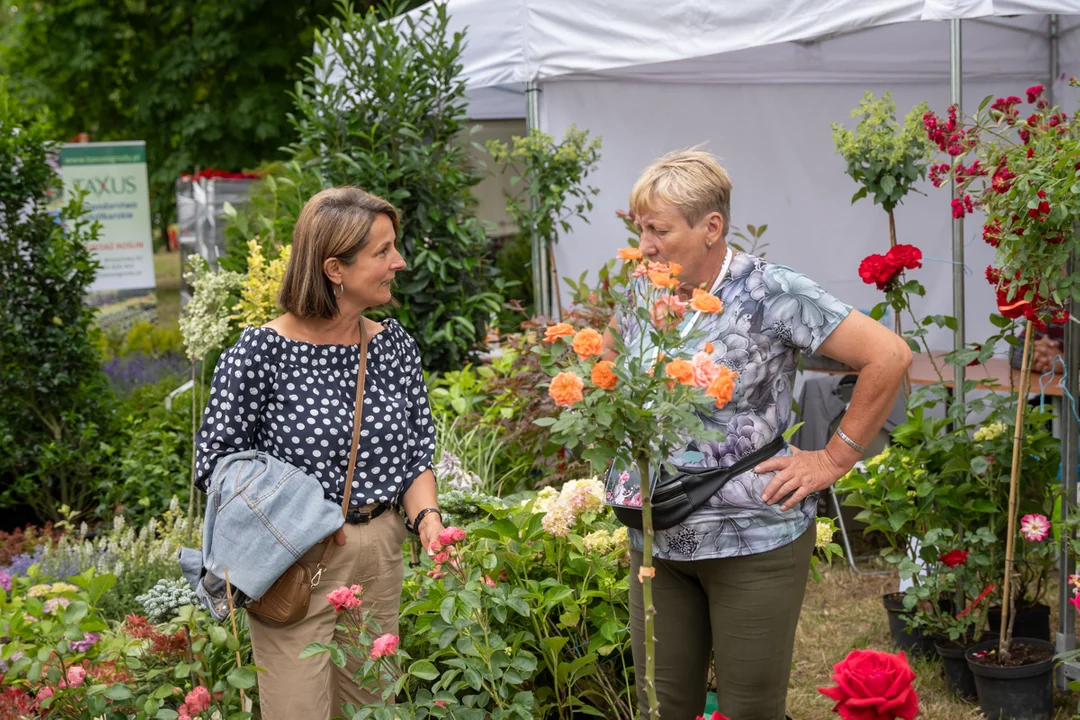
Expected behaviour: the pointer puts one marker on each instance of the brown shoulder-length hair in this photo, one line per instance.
(335, 223)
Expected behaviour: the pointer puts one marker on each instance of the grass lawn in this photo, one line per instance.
(844, 612)
(167, 274)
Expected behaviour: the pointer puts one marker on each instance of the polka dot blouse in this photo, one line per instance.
(295, 401)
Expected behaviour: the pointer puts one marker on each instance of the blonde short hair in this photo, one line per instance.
(692, 181)
(335, 223)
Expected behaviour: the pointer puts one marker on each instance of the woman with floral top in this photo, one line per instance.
(288, 388)
(730, 579)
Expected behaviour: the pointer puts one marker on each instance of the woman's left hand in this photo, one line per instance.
(799, 475)
(430, 527)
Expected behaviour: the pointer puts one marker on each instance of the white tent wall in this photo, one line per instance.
(775, 139)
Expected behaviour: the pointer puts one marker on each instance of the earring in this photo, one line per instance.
(708, 244)
(341, 291)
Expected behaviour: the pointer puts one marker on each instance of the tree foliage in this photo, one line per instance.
(204, 84)
(383, 108)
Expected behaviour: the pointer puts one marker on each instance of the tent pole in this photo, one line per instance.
(541, 295)
(1054, 58)
(956, 87)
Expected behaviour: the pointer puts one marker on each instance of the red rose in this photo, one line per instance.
(1002, 180)
(1034, 92)
(1011, 308)
(907, 257)
(992, 233)
(992, 275)
(878, 270)
(873, 685)
(954, 557)
(962, 206)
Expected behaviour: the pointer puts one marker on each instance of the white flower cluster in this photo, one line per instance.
(161, 602)
(204, 323)
(603, 542)
(123, 548)
(990, 432)
(825, 532)
(453, 475)
(576, 498)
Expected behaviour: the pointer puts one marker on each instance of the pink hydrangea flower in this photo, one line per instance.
(451, 535)
(345, 598)
(1035, 527)
(5, 581)
(384, 645)
(198, 700)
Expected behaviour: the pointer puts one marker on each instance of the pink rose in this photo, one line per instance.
(45, 693)
(75, 675)
(344, 598)
(451, 535)
(198, 700)
(705, 370)
(384, 645)
(1034, 528)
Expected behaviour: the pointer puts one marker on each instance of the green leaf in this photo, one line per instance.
(858, 195)
(218, 636)
(120, 692)
(446, 609)
(888, 184)
(242, 678)
(424, 670)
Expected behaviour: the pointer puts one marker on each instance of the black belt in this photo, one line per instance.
(361, 517)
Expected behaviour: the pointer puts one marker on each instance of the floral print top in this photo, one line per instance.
(771, 313)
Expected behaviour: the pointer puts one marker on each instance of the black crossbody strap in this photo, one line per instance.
(700, 492)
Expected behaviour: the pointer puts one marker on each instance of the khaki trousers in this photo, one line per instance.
(315, 688)
(742, 610)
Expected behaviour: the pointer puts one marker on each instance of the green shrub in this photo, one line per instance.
(55, 404)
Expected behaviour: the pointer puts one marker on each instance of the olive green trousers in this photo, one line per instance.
(741, 610)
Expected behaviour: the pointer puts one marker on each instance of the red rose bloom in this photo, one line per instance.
(1002, 180)
(878, 270)
(1034, 92)
(873, 685)
(992, 233)
(954, 558)
(907, 257)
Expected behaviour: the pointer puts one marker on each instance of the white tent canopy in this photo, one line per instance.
(759, 85)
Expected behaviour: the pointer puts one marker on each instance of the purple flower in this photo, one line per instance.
(88, 641)
(21, 563)
(127, 373)
(5, 581)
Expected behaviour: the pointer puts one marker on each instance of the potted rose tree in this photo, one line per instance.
(1016, 161)
(636, 410)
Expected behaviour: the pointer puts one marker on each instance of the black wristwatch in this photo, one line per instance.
(420, 518)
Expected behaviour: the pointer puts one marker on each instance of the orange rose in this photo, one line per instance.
(722, 387)
(556, 331)
(706, 302)
(565, 389)
(588, 343)
(681, 371)
(674, 269)
(667, 310)
(705, 370)
(709, 348)
(603, 375)
(630, 253)
(659, 279)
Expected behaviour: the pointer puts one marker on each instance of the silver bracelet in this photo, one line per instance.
(843, 436)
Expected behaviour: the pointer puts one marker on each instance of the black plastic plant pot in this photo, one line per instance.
(913, 642)
(958, 676)
(1031, 622)
(1024, 692)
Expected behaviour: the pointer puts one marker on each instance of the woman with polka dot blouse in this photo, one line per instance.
(288, 388)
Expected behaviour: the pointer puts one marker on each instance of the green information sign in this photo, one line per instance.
(118, 196)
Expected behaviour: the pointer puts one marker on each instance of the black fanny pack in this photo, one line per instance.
(677, 496)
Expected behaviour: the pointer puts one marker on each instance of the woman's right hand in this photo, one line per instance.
(339, 536)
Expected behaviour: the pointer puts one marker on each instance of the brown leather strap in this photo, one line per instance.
(358, 416)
